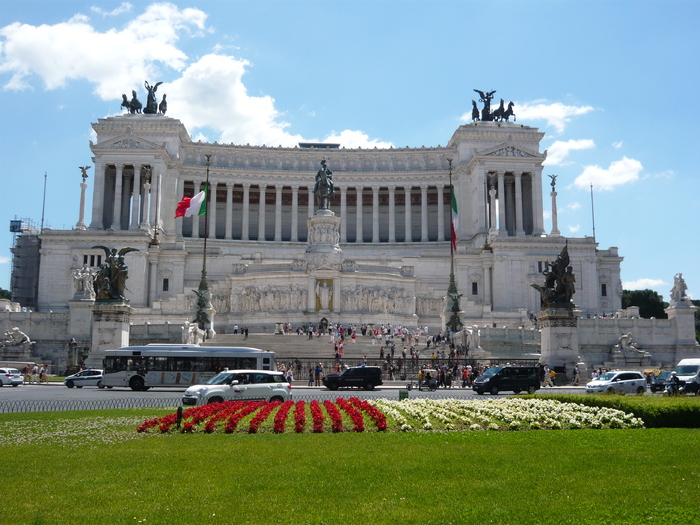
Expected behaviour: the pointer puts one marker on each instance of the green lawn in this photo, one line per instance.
(92, 467)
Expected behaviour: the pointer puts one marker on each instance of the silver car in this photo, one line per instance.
(619, 382)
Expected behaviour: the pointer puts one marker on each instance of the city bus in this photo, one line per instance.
(177, 365)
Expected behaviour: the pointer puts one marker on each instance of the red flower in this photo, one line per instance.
(299, 417)
(281, 416)
(334, 414)
(262, 416)
(317, 416)
(356, 416)
(373, 412)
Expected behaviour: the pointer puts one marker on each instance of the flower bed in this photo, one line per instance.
(355, 415)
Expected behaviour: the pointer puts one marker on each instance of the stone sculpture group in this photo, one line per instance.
(500, 114)
(152, 107)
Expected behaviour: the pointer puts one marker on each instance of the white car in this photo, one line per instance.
(91, 377)
(619, 382)
(232, 385)
(10, 376)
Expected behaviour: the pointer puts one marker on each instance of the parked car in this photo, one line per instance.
(619, 382)
(507, 378)
(366, 377)
(233, 385)
(658, 383)
(90, 377)
(10, 376)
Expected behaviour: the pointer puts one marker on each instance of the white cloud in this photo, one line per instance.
(559, 150)
(617, 145)
(547, 214)
(125, 7)
(5, 260)
(116, 61)
(620, 172)
(555, 113)
(574, 229)
(643, 284)
(355, 139)
(573, 206)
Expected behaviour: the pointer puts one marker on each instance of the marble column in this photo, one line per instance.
(146, 203)
(117, 214)
(97, 222)
(155, 193)
(135, 198)
(555, 225)
(537, 215)
(310, 207)
(424, 213)
(261, 213)
(375, 214)
(228, 231)
(81, 217)
(278, 212)
(408, 236)
(441, 211)
(501, 204)
(519, 205)
(295, 213)
(359, 235)
(343, 214)
(245, 219)
(392, 213)
(488, 297)
(492, 208)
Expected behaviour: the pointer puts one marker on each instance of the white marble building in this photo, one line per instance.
(394, 236)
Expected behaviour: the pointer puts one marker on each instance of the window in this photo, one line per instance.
(604, 290)
(166, 284)
(475, 288)
(92, 260)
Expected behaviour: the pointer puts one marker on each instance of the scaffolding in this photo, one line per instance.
(24, 282)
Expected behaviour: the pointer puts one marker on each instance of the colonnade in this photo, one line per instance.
(368, 213)
(512, 207)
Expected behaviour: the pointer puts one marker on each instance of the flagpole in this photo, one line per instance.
(204, 309)
(454, 324)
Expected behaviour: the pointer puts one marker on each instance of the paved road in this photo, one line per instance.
(60, 392)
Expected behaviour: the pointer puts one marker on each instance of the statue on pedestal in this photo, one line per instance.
(559, 285)
(678, 295)
(83, 281)
(324, 189)
(110, 279)
(16, 337)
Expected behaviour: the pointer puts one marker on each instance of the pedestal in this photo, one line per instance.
(80, 323)
(559, 338)
(110, 330)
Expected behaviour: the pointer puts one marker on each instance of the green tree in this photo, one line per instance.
(5, 294)
(650, 303)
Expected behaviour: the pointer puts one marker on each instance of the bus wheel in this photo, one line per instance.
(136, 383)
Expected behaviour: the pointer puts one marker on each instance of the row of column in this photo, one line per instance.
(359, 227)
(508, 217)
(131, 196)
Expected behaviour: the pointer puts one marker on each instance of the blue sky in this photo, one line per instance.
(612, 83)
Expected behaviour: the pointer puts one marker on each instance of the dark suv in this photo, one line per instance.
(511, 378)
(366, 377)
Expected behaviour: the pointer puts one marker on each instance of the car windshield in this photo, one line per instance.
(489, 372)
(687, 370)
(607, 376)
(220, 379)
(663, 376)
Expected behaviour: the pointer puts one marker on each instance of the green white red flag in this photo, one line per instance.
(190, 206)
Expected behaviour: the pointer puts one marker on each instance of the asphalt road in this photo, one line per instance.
(59, 392)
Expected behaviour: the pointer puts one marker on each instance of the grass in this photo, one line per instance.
(92, 467)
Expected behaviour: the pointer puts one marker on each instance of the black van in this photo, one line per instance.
(366, 377)
(507, 378)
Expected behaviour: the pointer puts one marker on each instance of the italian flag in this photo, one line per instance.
(455, 219)
(196, 205)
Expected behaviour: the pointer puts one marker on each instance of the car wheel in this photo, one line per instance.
(100, 384)
(640, 390)
(494, 391)
(610, 391)
(531, 389)
(215, 399)
(369, 386)
(517, 390)
(333, 386)
(69, 384)
(480, 392)
(136, 383)
(15, 384)
(276, 398)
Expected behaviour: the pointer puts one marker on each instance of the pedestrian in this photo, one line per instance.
(577, 375)
(311, 376)
(318, 372)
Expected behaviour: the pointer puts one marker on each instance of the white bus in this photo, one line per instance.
(143, 367)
